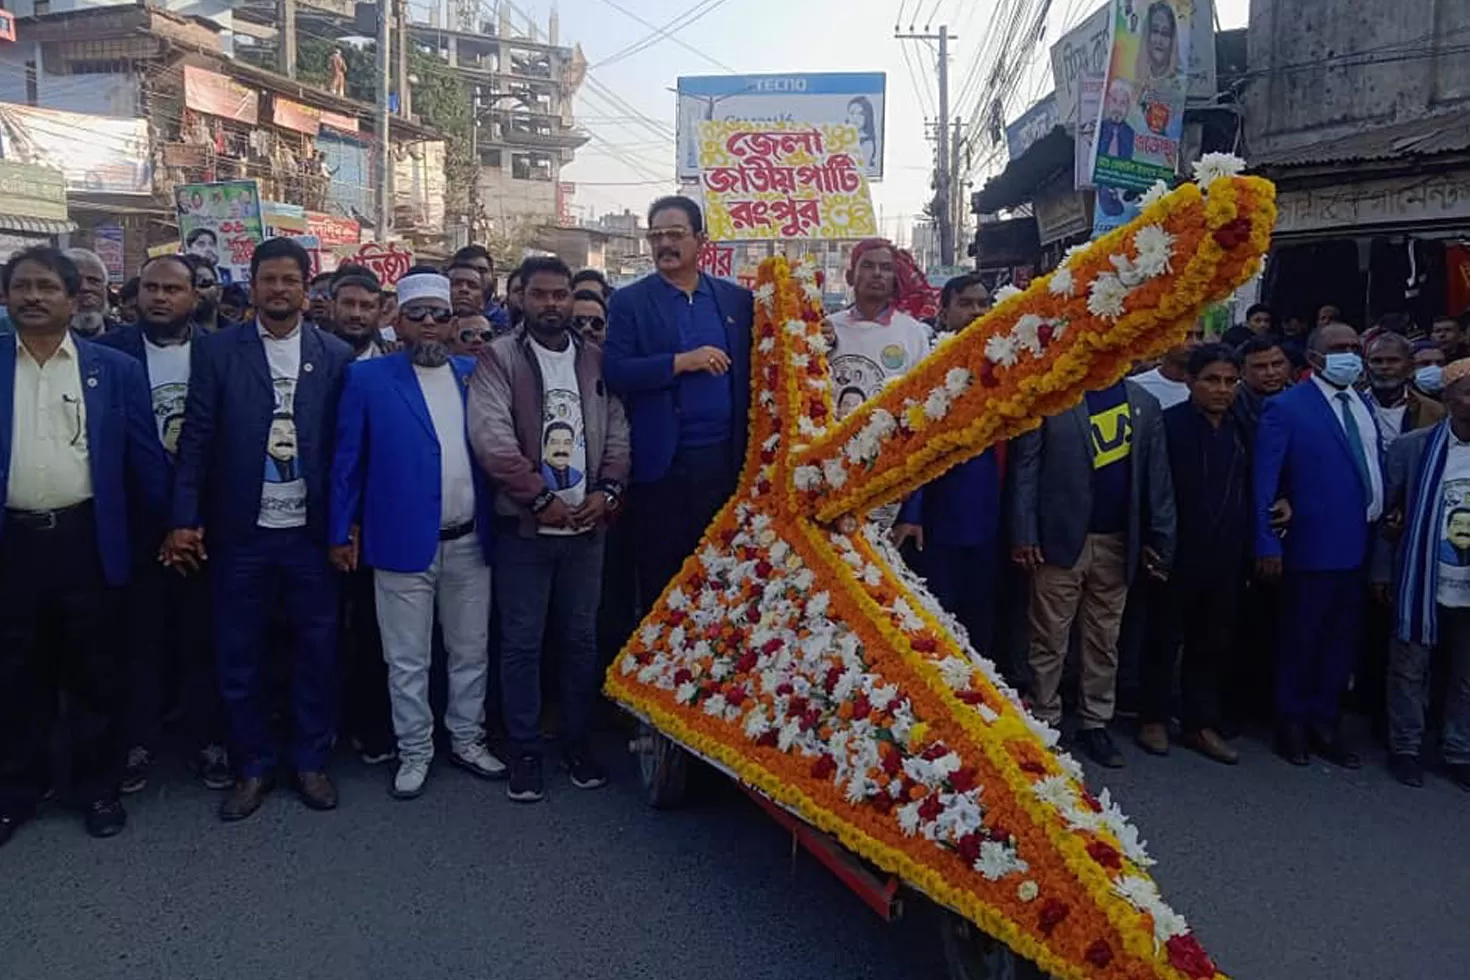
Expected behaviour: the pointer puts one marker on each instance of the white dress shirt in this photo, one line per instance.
(1367, 433)
(50, 467)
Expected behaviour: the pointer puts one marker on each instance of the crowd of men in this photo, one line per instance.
(300, 498)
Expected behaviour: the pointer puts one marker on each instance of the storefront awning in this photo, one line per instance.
(35, 226)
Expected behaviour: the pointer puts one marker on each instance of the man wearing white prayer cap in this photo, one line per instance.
(408, 502)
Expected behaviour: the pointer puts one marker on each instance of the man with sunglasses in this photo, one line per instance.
(408, 502)
(468, 335)
(589, 315)
(319, 301)
(207, 291)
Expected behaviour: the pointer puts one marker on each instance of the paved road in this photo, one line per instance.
(1287, 875)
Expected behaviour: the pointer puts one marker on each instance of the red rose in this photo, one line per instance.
(753, 614)
(676, 617)
(969, 848)
(1105, 854)
(987, 375)
(893, 763)
(763, 568)
(682, 676)
(823, 767)
(924, 643)
(930, 808)
(1032, 766)
(1099, 954)
(883, 803)
(829, 682)
(962, 780)
(811, 719)
(784, 688)
(727, 536)
(1189, 957)
(861, 707)
(1044, 334)
(746, 663)
(972, 697)
(766, 738)
(768, 456)
(938, 750)
(1052, 914)
(1091, 801)
(999, 833)
(797, 706)
(736, 695)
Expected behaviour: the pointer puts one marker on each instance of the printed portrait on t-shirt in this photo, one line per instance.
(1454, 543)
(563, 452)
(856, 378)
(169, 434)
(168, 412)
(280, 450)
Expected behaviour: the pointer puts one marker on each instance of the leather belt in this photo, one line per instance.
(456, 531)
(46, 520)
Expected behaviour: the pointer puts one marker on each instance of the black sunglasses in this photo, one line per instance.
(421, 313)
(466, 336)
(584, 322)
(205, 283)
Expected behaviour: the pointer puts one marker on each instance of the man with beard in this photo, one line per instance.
(254, 390)
(357, 300)
(207, 313)
(319, 301)
(466, 289)
(543, 386)
(84, 476)
(678, 353)
(168, 613)
(478, 257)
(469, 334)
(514, 296)
(90, 320)
(401, 444)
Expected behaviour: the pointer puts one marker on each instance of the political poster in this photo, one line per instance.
(783, 180)
(107, 242)
(1079, 67)
(1140, 120)
(221, 222)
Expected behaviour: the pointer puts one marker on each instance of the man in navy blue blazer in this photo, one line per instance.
(678, 353)
(406, 492)
(83, 473)
(251, 480)
(1318, 447)
(168, 613)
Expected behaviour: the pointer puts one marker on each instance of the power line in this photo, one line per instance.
(665, 32)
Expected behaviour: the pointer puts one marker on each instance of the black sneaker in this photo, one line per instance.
(106, 817)
(212, 766)
(375, 751)
(525, 780)
(584, 769)
(1098, 745)
(1460, 774)
(135, 773)
(1407, 769)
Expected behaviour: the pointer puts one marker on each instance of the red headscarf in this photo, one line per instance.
(911, 291)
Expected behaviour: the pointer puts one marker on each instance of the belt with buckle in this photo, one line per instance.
(44, 520)
(456, 531)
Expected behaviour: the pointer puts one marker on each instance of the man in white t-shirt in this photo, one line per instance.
(401, 444)
(1422, 567)
(1169, 382)
(555, 444)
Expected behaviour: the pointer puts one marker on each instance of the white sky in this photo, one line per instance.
(775, 36)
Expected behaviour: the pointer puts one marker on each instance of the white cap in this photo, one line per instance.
(423, 285)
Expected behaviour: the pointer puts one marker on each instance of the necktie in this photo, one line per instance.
(1355, 440)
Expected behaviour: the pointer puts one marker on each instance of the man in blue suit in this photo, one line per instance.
(678, 353)
(168, 613)
(1317, 446)
(252, 474)
(405, 488)
(81, 460)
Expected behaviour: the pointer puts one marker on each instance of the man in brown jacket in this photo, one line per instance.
(555, 444)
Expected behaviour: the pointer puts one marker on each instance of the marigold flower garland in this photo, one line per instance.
(803, 656)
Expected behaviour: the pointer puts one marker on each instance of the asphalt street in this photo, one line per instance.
(1285, 874)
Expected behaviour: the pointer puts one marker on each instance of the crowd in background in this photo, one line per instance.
(259, 523)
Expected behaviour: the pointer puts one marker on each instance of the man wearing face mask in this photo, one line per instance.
(1429, 366)
(90, 320)
(1396, 406)
(1318, 445)
(408, 502)
(555, 444)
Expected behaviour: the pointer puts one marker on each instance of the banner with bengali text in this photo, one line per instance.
(223, 223)
(767, 180)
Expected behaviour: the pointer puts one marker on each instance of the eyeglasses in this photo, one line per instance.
(469, 336)
(671, 235)
(418, 314)
(205, 284)
(585, 322)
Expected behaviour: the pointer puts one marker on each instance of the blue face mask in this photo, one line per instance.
(1429, 379)
(1342, 369)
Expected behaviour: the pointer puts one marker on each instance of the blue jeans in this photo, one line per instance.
(1408, 690)
(275, 568)
(536, 577)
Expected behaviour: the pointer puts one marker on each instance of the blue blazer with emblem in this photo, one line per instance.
(1302, 454)
(129, 470)
(638, 364)
(227, 420)
(385, 476)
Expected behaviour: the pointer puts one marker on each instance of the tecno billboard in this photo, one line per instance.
(840, 97)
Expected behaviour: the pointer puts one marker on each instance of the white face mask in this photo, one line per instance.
(1429, 379)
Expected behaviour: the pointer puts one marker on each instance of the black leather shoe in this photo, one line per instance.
(316, 790)
(106, 817)
(1098, 745)
(1291, 745)
(1407, 769)
(8, 826)
(1460, 774)
(247, 797)
(1333, 748)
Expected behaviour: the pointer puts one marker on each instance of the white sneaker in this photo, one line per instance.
(409, 781)
(478, 760)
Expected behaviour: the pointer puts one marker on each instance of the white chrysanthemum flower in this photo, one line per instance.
(686, 693)
(796, 327)
(1136, 891)
(817, 605)
(767, 345)
(1154, 194)
(714, 705)
(627, 666)
(882, 422)
(804, 270)
(1000, 350)
(799, 360)
(1060, 283)
(813, 293)
(1105, 298)
(1214, 166)
(1072, 253)
(676, 635)
(957, 380)
(1155, 248)
(676, 599)
(807, 477)
(1005, 292)
(1058, 327)
(802, 580)
(1071, 766)
(943, 337)
(817, 344)
(835, 472)
(988, 714)
(1027, 333)
(908, 819)
(650, 633)
(1055, 790)
(765, 294)
(1133, 845)
(756, 723)
(652, 674)
(788, 735)
(1167, 923)
(936, 406)
(997, 860)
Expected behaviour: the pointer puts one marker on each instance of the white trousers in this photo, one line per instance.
(459, 579)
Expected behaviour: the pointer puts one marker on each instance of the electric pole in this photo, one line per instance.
(957, 197)
(286, 37)
(385, 154)
(943, 206)
(405, 94)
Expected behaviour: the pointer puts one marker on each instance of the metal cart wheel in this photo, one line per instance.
(663, 768)
(970, 954)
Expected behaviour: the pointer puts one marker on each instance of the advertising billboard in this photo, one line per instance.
(853, 98)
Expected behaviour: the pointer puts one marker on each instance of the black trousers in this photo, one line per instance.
(366, 714)
(670, 514)
(1196, 613)
(59, 640)
(173, 663)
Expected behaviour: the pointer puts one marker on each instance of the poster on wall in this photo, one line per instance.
(100, 154)
(107, 242)
(389, 262)
(764, 180)
(1141, 119)
(221, 222)
(1079, 66)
